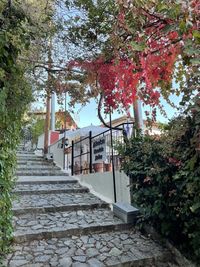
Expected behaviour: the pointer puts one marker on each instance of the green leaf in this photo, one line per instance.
(195, 207)
(196, 34)
(138, 46)
(182, 26)
(162, 7)
(195, 61)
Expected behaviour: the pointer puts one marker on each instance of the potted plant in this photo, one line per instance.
(108, 167)
(98, 167)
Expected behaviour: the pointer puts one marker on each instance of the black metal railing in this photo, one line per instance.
(81, 155)
(26, 136)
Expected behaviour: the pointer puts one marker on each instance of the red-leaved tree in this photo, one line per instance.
(152, 44)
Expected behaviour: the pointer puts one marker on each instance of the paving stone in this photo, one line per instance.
(74, 237)
(48, 251)
(71, 251)
(123, 236)
(104, 249)
(19, 257)
(65, 262)
(16, 263)
(34, 265)
(78, 264)
(113, 262)
(80, 213)
(115, 252)
(62, 250)
(92, 252)
(101, 258)
(79, 258)
(79, 252)
(43, 258)
(98, 245)
(95, 263)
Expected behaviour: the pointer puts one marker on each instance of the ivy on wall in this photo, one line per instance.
(15, 94)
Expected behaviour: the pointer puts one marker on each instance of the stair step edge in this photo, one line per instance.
(70, 207)
(38, 235)
(47, 182)
(50, 191)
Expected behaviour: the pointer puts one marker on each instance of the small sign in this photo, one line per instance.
(99, 150)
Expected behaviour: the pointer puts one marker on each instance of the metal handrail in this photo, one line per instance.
(90, 138)
(103, 133)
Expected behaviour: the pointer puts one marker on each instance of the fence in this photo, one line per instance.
(26, 137)
(97, 153)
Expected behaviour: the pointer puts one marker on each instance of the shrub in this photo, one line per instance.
(165, 180)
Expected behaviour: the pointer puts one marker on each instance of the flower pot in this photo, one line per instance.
(108, 167)
(77, 169)
(98, 167)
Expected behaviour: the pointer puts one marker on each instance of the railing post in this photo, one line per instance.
(90, 150)
(72, 161)
(113, 165)
(64, 138)
(81, 168)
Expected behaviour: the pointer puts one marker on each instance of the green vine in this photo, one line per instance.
(15, 94)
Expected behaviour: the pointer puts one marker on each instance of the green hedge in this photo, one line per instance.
(15, 94)
(165, 175)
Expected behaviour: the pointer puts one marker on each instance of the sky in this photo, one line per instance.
(87, 115)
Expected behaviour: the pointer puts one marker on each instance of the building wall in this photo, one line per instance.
(54, 137)
(101, 184)
(57, 151)
(153, 131)
(61, 119)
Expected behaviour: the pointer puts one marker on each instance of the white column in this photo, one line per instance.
(141, 123)
(53, 106)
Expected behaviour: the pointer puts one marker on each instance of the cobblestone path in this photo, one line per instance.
(59, 223)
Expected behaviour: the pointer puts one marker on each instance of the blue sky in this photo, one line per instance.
(87, 115)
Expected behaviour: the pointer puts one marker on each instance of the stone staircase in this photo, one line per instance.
(58, 222)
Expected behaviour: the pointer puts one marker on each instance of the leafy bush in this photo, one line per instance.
(165, 180)
(37, 128)
(15, 94)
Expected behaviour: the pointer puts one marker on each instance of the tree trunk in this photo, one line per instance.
(137, 116)
(47, 124)
(48, 101)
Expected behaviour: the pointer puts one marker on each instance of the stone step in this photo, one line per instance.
(46, 180)
(40, 172)
(36, 167)
(28, 158)
(36, 189)
(24, 155)
(61, 208)
(34, 162)
(60, 224)
(19, 152)
(117, 248)
(54, 201)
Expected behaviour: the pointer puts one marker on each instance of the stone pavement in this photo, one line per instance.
(59, 223)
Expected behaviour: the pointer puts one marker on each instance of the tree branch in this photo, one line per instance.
(103, 121)
(99, 110)
(9, 4)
